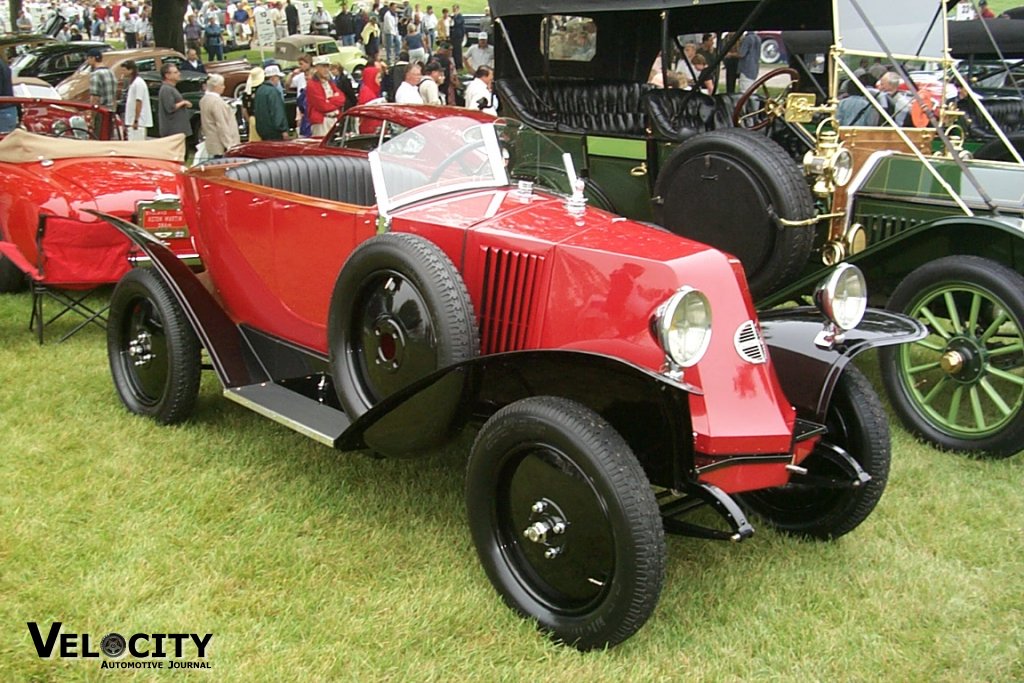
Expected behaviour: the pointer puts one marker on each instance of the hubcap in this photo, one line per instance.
(144, 358)
(967, 376)
(553, 529)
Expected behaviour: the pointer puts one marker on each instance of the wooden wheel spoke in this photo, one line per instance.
(954, 404)
(930, 396)
(995, 397)
(979, 414)
(931, 346)
(994, 327)
(913, 370)
(972, 319)
(1007, 350)
(954, 313)
(934, 322)
(1004, 375)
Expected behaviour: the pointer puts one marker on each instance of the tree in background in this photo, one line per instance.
(168, 16)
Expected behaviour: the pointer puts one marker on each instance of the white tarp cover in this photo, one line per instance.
(20, 147)
(908, 27)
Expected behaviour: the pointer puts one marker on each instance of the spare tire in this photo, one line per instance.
(399, 311)
(995, 150)
(726, 188)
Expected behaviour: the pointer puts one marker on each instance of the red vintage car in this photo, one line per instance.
(359, 130)
(67, 158)
(618, 374)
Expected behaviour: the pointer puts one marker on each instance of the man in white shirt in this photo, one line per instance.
(429, 26)
(480, 54)
(389, 29)
(478, 92)
(138, 115)
(409, 91)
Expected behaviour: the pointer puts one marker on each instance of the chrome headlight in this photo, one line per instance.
(843, 296)
(842, 167)
(683, 326)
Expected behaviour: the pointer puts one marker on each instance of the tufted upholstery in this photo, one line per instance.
(610, 108)
(676, 115)
(1008, 112)
(338, 178)
(724, 105)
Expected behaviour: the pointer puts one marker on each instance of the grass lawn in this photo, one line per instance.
(307, 564)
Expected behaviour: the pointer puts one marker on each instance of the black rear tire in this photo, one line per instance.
(11, 278)
(399, 312)
(547, 460)
(153, 351)
(857, 424)
(723, 188)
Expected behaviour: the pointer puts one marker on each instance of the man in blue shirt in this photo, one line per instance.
(750, 59)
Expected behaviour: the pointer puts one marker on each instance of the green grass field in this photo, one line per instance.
(312, 565)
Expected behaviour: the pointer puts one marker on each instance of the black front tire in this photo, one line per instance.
(154, 353)
(399, 312)
(723, 187)
(857, 424)
(11, 278)
(547, 460)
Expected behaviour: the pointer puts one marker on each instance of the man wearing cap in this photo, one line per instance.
(268, 105)
(983, 11)
(324, 101)
(172, 109)
(480, 54)
(321, 22)
(102, 84)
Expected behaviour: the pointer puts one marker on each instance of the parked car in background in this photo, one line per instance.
(775, 179)
(359, 130)
(150, 60)
(13, 44)
(55, 169)
(618, 374)
(34, 87)
(773, 50)
(350, 57)
(54, 62)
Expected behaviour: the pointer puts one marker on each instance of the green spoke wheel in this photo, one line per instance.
(962, 387)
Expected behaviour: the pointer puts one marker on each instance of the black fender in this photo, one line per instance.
(232, 358)
(807, 372)
(649, 410)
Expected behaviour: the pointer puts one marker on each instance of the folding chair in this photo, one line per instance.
(74, 260)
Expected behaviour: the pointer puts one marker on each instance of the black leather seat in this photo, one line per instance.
(609, 108)
(337, 178)
(677, 115)
(1008, 112)
(725, 104)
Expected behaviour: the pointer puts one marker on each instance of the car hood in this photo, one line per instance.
(109, 185)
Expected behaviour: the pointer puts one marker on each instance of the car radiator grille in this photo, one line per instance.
(880, 226)
(510, 282)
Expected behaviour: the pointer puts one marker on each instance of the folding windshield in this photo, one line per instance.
(906, 29)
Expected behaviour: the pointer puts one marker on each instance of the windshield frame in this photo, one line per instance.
(387, 204)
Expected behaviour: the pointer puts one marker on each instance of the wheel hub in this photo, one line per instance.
(140, 349)
(547, 528)
(963, 361)
(390, 351)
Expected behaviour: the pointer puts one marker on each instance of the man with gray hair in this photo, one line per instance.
(895, 101)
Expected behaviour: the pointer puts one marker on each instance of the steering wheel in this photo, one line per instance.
(458, 155)
(773, 107)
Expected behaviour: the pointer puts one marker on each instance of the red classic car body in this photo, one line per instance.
(345, 138)
(340, 285)
(55, 171)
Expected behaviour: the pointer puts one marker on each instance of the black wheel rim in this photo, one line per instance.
(798, 504)
(567, 568)
(394, 341)
(144, 356)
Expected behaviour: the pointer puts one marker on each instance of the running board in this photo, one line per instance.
(308, 417)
